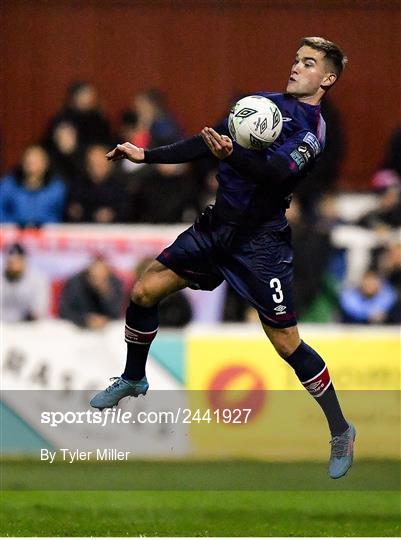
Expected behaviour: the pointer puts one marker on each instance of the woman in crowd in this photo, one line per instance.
(32, 195)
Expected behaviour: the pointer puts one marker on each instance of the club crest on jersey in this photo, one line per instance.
(245, 112)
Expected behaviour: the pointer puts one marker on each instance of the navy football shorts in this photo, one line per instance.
(257, 265)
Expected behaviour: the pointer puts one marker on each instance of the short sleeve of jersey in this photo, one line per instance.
(299, 151)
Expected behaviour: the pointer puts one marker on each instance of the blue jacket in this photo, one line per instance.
(359, 308)
(31, 207)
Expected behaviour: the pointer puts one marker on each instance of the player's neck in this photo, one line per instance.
(310, 100)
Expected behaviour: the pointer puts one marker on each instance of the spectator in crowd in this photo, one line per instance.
(167, 194)
(390, 266)
(93, 297)
(100, 195)
(371, 302)
(32, 195)
(82, 110)
(65, 154)
(389, 173)
(175, 310)
(25, 292)
(387, 214)
(312, 253)
(392, 158)
(148, 122)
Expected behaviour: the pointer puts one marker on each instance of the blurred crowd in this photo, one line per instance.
(65, 178)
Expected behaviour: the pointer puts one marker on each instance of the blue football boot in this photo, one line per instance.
(342, 453)
(119, 389)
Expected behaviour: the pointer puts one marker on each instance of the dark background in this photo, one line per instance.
(201, 53)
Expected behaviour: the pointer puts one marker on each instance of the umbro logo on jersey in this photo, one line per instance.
(286, 119)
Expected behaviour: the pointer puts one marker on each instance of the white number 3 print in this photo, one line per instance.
(276, 285)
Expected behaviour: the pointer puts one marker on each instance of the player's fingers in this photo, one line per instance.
(115, 157)
(206, 138)
(110, 154)
(216, 145)
(213, 144)
(214, 134)
(215, 138)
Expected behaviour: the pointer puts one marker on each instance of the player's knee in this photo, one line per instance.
(284, 340)
(283, 348)
(142, 296)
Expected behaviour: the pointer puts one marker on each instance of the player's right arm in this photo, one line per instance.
(127, 151)
(178, 152)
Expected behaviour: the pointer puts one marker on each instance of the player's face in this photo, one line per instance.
(309, 73)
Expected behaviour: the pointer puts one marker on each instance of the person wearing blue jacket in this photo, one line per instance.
(32, 195)
(371, 302)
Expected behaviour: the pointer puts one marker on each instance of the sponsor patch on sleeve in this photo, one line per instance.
(313, 143)
(302, 155)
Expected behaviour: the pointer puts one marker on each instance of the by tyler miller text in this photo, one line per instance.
(75, 455)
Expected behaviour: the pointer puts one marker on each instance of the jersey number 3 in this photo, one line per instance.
(278, 293)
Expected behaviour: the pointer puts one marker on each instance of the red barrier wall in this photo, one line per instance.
(201, 53)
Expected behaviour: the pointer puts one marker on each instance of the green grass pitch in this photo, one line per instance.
(358, 512)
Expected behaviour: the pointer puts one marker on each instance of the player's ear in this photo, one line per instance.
(328, 80)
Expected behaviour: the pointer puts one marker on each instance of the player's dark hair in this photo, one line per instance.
(333, 53)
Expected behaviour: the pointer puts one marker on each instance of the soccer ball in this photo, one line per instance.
(255, 122)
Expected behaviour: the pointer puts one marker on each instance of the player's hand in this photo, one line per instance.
(127, 151)
(221, 146)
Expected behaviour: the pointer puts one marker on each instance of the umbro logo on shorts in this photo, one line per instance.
(280, 310)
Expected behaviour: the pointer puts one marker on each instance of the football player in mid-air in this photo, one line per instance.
(244, 238)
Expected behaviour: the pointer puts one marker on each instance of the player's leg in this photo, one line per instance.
(186, 262)
(261, 271)
(142, 316)
(141, 325)
(313, 374)
(311, 370)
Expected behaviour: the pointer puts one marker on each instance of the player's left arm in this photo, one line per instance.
(296, 155)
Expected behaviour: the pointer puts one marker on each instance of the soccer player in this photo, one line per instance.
(244, 238)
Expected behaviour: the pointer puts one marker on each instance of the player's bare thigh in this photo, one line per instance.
(284, 340)
(156, 283)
